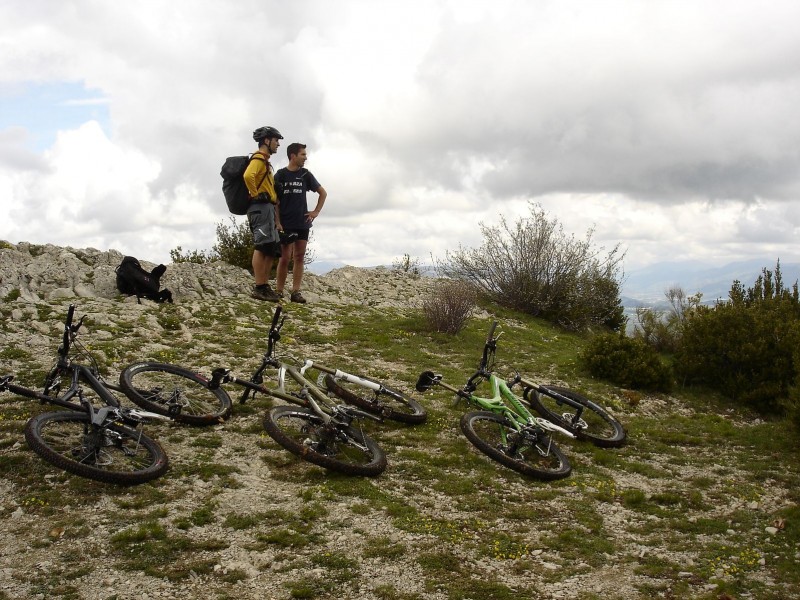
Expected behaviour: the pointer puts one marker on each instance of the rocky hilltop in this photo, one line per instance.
(700, 504)
(37, 273)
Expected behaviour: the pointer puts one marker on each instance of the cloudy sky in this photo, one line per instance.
(671, 128)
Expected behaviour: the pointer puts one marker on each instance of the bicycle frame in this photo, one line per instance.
(77, 373)
(517, 413)
(527, 386)
(309, 395)
(503, 401)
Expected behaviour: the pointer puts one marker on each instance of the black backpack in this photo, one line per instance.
(236, 193)
(133, 280)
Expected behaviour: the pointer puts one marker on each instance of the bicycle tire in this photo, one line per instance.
(160, 387)
(387, 403)
(596, 424)
(111, 453)
(487, 430)
(303, 433)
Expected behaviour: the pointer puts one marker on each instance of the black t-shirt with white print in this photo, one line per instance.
(293, 203)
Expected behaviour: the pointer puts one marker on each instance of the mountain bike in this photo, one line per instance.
(107, 443)
(183, 395)
(504, 429)
(311, 426)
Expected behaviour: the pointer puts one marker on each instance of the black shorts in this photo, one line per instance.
(302, 234)
(269, 249)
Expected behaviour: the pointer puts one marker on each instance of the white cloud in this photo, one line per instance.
(668, 127)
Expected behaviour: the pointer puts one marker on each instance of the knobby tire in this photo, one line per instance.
(596, 424)
(485, 430)
(303, 433)
(111, 453)
(158, 386)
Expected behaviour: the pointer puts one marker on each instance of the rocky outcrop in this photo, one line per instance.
(38, 273)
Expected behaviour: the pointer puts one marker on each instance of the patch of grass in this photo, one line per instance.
(383, 547)
(208, 441)
(10, 353)
(199, 517)
(148, 547)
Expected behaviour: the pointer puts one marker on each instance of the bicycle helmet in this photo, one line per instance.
(266, 132)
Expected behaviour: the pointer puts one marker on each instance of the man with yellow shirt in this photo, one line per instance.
(263, 216)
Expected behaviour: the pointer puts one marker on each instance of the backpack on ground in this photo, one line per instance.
(237, 196)
(133, 280)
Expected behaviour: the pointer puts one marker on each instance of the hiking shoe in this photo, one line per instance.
(265, 294)
(297, 297)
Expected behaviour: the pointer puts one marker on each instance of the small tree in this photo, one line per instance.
(533, 266)
(448, 306)
(406, 264)
(235, 244)
(746, 347)
(663, 330)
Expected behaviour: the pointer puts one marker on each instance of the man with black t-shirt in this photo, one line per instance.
(294, 181)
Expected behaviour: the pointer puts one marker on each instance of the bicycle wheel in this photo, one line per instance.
(175, 392)
(387, 402)
(595, 425)
(336, 447)
(111, 453)
(531, 452)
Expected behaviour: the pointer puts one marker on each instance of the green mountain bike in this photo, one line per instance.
(504, 429)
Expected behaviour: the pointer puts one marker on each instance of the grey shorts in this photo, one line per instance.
(261, 218)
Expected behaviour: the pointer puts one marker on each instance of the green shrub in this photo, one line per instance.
(198, 257)
(628, 362)
(663, 330)
(235, 244)
(534, 267)
(746, 347)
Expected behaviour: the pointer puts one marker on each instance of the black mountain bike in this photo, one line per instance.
(320, 430)
(106, 443)
(186, 397)
(312, 426)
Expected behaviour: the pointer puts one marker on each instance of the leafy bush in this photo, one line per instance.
(533, 266)
(191, 256)
(235, 244)
(663, 330)
(449, 305)
(628, 362)
(746, 347)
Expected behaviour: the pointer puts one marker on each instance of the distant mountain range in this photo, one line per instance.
(646, 286)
